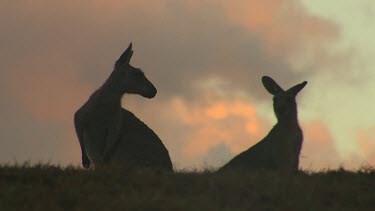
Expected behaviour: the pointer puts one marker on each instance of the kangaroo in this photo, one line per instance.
(102, 124)
(280, 149)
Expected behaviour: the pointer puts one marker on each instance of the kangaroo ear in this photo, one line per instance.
(271, 86)
(126, 56)
(297, 88)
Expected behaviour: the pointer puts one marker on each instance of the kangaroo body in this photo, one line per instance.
(139, 145)
(271, 153)
(280, 149)
(99, 126)
(109, 134)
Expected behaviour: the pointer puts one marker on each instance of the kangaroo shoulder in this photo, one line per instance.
(79, 116)
(285, 130)
(130, 119)
(134, 125)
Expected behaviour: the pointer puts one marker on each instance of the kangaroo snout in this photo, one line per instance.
(150, 92)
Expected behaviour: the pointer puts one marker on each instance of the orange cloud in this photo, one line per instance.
(256, 16)
(365, 153)
(280, 24)
(53, 45)
(318, 150)
(235, 125)
(232, 123)
(366, 146)
(48, 87)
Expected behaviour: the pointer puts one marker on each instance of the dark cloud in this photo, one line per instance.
(175, 46)
(25, 138)
(54, 54)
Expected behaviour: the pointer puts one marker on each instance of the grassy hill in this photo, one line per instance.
(44, 187)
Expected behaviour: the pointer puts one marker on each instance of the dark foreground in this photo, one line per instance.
(53, 188)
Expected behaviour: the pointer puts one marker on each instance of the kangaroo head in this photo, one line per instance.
(284, 102)
(128, 79)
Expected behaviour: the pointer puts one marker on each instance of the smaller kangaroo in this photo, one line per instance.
(280, 149)
(102, 124)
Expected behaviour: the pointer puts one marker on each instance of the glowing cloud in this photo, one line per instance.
(56, 53)
(281, 24)
(366, 145)
(233, 124)
(318, 150)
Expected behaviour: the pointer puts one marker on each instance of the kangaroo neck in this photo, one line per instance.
(287, 120)
(107, 96)
(109, 93)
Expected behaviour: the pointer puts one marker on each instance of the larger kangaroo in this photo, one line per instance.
(280, 149)
(107, 133)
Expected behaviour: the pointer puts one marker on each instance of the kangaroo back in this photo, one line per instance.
(139, 146)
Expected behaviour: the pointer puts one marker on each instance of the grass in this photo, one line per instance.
(45, 187)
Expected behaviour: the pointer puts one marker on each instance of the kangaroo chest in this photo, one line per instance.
(286, 142)
(103, 118)
(102, 128)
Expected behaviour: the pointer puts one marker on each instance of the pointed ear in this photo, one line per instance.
(126, 56)
(271, 86)
(297, 88)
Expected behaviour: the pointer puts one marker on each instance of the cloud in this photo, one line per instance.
(205, 57)
(366, 145)
(177, 43)
(211, 132)
(364, 153)
(40, 98)
(27, 138)
(318, 150)
(194, 131)
(282, 25)
(44, 86)
(217, 156)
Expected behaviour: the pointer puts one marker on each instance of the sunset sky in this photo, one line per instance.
(206, 59)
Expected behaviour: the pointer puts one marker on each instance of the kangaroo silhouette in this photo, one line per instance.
(280, 149)
(108, 133)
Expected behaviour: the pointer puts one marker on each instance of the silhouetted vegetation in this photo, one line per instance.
(45, 187)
